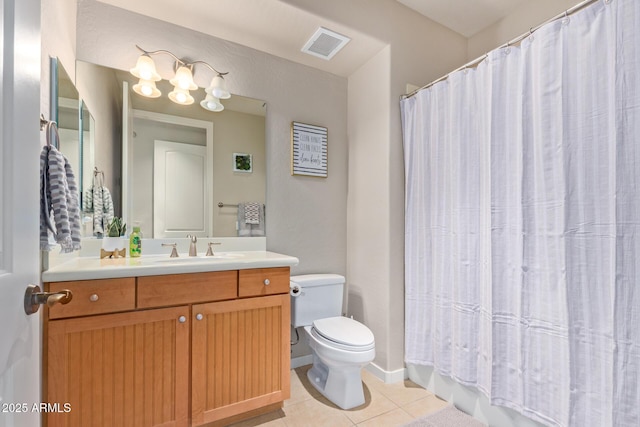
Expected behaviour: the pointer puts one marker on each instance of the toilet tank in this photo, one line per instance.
(318, 296)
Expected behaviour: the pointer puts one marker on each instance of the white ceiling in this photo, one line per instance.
(282, 27)
(466, 17)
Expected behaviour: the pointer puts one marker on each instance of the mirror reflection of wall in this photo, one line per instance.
(240, 128)
(88, 124)
(66, 115)
(100, 92)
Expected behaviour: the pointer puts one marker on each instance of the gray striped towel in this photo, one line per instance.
(99, 202)
(59, 202)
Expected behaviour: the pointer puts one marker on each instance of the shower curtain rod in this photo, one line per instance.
(481, 58)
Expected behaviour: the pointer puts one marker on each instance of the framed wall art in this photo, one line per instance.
(308, 150)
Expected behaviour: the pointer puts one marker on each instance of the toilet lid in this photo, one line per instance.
(344, 331)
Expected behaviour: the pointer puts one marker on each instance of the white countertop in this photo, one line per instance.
(88, 268)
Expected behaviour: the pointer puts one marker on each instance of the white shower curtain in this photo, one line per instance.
(523, 222)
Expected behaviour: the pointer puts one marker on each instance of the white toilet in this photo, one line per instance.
(341, 346)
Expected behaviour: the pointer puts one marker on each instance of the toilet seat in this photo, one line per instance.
(344, 333)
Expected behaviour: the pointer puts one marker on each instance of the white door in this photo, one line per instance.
(20, 347)
(179, 198)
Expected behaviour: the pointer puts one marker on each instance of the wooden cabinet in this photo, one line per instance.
(240, 358)
(263, 281)
(173, 350)
(174, 289)
(95, 297)
(126, 369)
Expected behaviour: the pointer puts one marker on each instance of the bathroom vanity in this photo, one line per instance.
(147, 342)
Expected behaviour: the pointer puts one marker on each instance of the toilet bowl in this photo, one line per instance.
(337, 365)
(340, 346)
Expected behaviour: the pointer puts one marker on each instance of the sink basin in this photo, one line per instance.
(200, 258)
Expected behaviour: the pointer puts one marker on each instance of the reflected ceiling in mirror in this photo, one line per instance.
(238, 129)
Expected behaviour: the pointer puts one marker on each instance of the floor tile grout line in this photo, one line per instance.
(378, 415)
(403, 395)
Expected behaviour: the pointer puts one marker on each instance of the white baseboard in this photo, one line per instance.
(385, 376)
(388, 376)
(296, 362)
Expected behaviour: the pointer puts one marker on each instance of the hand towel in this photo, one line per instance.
(252, 213)
(102, 209)
(59, 203)
(250, 230)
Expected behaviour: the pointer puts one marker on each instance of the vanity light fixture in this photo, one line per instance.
(218, 88)
(212, 103)
(181, 96)
(147, 88)
(182, 81)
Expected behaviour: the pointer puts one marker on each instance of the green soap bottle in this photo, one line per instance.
(135, 242)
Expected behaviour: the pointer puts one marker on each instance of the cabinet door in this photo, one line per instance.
(240, 357)
(127, 369)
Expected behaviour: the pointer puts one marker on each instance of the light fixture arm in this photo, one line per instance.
(210, 67)
(155, 52)
(181, 61)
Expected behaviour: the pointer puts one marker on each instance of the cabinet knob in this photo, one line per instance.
(199, 316)
(94, 298)
(267, 282)
(182, 319)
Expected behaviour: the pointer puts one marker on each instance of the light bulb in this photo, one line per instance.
(147, 88)
(218, 88)
(184, 79)
(145, 69)
(211, 103)
(181, 96)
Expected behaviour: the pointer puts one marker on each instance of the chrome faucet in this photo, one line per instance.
(193, 249)
(210, 250)
(174, 252)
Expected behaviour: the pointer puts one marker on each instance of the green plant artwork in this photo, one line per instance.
(242, 162)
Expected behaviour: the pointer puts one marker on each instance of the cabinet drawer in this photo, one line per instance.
(263, 281)
(178, 289)
(94, 297)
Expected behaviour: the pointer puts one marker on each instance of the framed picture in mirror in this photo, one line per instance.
(242, 162)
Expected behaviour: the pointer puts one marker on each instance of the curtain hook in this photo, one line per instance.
(530, 34)
(565, 20)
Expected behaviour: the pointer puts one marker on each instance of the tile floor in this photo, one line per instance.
(385, 405)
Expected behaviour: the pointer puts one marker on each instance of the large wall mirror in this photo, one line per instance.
(76, 126)
(183, 169)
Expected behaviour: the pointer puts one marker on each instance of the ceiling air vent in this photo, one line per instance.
(325, 43)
